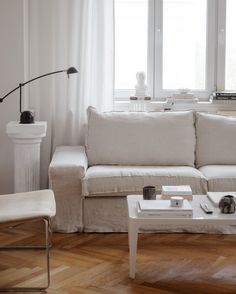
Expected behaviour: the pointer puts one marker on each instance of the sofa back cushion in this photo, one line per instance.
(216, 139)
(140, 138)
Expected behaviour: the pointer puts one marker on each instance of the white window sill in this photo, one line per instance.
(154, 105)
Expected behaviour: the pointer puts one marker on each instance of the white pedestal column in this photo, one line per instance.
(27, 139)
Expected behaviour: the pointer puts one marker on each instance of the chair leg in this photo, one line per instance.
(46, 247)
(50, 232)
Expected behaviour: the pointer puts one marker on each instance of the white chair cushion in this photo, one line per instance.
(221, 178)
(216, 139)
(140, 138)
(28, 205)
(108, 180)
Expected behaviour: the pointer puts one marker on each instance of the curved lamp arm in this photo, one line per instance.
(70, 70)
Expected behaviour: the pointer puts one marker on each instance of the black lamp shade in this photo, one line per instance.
(71, 70)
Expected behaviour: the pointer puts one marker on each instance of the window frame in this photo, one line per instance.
(215, 52)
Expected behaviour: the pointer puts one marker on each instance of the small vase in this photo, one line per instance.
(149, 193)
(227, 204)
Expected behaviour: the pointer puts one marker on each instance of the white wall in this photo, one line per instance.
(11, 73)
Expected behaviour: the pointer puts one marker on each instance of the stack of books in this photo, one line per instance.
(162, 209)
(224, 96)
(184, 191)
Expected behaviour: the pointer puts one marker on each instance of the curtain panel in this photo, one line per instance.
(61, 34)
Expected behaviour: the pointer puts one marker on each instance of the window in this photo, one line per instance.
(178, 43)
(230, 52)
(184, 44)
(130, 41)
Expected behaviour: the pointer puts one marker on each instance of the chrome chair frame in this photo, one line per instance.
(46, 247)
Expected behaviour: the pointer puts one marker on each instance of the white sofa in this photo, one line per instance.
(128, 150)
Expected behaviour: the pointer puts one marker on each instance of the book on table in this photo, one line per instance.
(216, 196)
(183, 190)
(162, 208)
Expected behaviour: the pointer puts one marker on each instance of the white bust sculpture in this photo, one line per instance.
(140, 87)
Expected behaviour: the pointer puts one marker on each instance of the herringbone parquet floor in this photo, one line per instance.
(98, 263)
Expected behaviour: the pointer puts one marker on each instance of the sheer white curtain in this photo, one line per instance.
(65, 33)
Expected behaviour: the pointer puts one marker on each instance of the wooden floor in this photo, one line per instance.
(98, 263)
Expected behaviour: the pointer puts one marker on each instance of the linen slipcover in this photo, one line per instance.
(123, 180)
(140, 138)
(216, 139)
(221, 178)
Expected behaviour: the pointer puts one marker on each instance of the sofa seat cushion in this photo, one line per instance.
(221, 178)
(106, 180)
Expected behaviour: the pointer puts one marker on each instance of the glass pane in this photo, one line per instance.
(130, 41)
(184, 44)
(230, 59)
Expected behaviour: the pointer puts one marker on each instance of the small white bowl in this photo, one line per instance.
(176, 201)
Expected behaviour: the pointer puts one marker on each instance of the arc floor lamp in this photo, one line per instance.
(27, 117)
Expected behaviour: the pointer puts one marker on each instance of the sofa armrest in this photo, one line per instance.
(67, 168)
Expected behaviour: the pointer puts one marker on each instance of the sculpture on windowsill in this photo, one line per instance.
(141, 87)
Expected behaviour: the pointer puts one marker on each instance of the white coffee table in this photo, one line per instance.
(199, 218)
